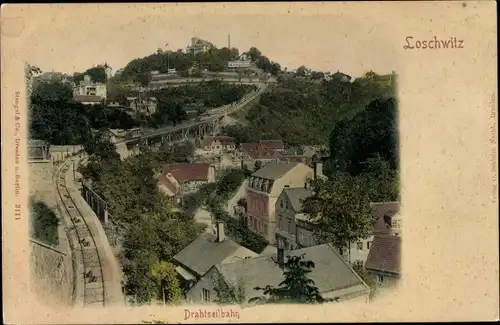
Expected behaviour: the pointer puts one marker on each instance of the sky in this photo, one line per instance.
(78, 37)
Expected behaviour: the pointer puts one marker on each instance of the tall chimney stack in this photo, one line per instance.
(220, 231)
(281, 256)
(229, 41)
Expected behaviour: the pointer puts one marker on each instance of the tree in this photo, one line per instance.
(97, 74)
(340, 209)
(144, 78)
(295, 288)
(226, 293)
(381, 181)
(168, 284)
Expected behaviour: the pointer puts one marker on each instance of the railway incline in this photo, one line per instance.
(97, 276)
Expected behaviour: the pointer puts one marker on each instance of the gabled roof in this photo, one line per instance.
(296, 195)
(271, 144)
(274, 171)
(331, 272)
(205, 252)
(385, 254)
(184, 172)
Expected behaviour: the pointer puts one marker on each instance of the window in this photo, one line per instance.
(289, 226)
(368, 244)
(360, 245)
(281, 203)
(380, 278)
(205, 295)
(280, 222)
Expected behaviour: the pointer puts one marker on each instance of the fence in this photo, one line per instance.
(61, 153)
(100, 208)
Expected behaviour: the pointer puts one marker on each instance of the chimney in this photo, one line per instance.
(220, 231)
(318, 170)
(281, 257)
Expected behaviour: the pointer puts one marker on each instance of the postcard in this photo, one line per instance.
(249, 162)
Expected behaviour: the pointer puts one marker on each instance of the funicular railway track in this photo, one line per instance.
(93, 289)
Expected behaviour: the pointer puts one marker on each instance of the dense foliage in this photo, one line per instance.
(341, 210)
(174, 103)
(304, 112)
(97, 74)
(43, 223)
(154, 232)
(56, 118)
(214, 60)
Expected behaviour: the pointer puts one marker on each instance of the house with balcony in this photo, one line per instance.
(334, 278)
(264, 187)
(180, 179)
(89, 88)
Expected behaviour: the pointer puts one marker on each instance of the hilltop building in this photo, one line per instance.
(89, 92)
(199, 46)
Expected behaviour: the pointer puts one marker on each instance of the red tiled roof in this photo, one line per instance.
(271, 144)
(249, 146)
(87, 98)
(183, 172)
(385, 254)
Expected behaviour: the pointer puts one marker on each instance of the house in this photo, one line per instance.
(199, 46)
(248, 146)
(89, 88)
(332, 276)
(384, 260)
(195, 260)
(272, 145)
(294, 230)
(142, 105)
(184, 178)
(218, 144)
(264, 187)
(383, 212)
